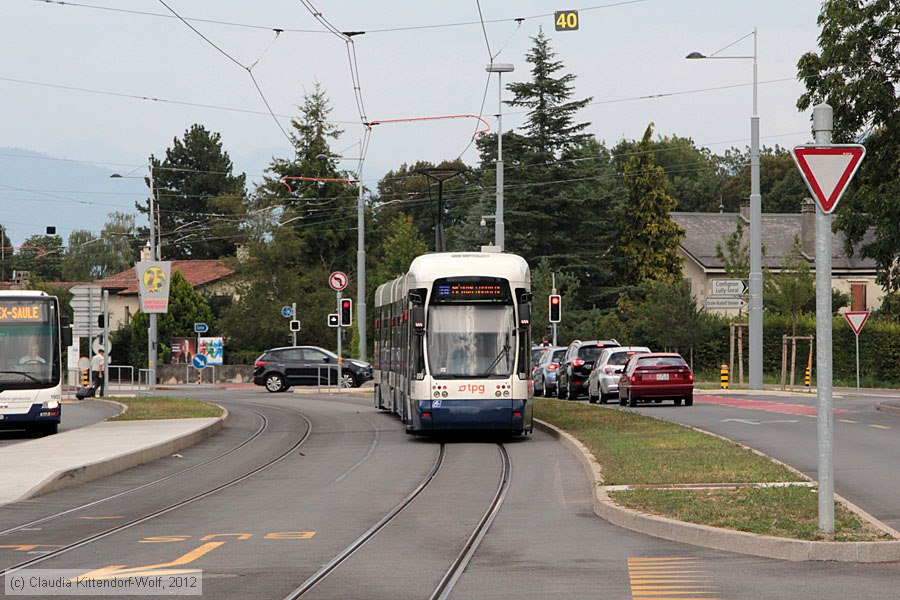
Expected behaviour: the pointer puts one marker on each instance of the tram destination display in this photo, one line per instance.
(479, 289)
(23, 312)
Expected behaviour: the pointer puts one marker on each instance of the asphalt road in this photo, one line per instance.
(342, 467)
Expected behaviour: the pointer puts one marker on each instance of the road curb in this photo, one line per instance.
(713, 537)
(71, 476)
(892, 408)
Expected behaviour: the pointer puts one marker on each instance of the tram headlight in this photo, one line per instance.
(437, 394)
(506, 394)
(444, 394)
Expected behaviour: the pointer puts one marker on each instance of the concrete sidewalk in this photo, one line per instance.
(58, 461)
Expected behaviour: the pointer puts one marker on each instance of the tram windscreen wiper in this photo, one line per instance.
(503, 350)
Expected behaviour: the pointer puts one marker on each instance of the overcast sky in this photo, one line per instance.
(109, 82)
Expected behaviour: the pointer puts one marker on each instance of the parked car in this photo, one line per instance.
(576, 366)
(280, 368)
(656, 376)
(547, 370)
(603, 382)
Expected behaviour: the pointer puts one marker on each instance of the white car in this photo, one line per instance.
(603, 383)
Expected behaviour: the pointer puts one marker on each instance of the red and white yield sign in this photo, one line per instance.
(856, 319)
(337, 281)
(827, 170)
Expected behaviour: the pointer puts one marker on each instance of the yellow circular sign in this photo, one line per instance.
(154, 279)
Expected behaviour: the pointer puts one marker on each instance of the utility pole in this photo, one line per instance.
(151, 341)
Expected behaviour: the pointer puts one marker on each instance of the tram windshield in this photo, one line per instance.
(471, 340)
(29, 338)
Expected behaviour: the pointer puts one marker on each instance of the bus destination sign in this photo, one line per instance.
(22, 312)
(470, 290)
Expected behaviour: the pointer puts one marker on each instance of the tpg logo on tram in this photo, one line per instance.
(471, 388)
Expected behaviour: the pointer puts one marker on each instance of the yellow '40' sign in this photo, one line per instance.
(566, 20)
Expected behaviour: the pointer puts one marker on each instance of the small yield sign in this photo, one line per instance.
(857, 319)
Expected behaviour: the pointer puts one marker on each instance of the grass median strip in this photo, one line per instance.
(633, 449)
(164, 407)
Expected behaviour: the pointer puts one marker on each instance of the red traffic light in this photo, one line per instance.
(346, 312)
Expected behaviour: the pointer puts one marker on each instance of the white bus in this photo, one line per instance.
(453, 344)
(32, 337)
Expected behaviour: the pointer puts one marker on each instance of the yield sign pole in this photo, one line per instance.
(857, 319)
(827, 170)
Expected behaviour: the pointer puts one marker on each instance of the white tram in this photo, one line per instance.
(453, 341)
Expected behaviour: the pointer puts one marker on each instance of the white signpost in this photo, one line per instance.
(725, 303)
(857, 319)
(728, 287)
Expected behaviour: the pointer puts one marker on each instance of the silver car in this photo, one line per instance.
(603, 383)
(546, 371)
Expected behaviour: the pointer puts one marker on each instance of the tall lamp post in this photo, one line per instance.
(756, 282)
(499, 69)
(152, 334)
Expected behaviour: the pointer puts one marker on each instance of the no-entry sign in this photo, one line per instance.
(827, 170)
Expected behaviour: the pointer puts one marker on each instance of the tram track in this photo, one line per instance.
(166, 509)
(458, 565)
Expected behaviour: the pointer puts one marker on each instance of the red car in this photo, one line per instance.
(656, 376)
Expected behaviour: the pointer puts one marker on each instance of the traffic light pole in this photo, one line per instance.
(554, 292)
(339, 331)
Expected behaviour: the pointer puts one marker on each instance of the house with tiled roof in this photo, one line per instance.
(212, 277)
(851, 274)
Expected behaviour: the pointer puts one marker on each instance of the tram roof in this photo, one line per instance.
(455, 264)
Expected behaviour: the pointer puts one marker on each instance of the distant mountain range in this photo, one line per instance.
(39, 191)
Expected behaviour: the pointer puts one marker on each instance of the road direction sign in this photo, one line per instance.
(856, 319)
(827, 170)
(728, 287)
(725, 303)
(287, 312)
(199, 361)
(337, 281)
(201, 328)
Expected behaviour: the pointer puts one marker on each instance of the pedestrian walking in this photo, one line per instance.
(98, 364)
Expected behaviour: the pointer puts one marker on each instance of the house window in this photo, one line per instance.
(857, 296)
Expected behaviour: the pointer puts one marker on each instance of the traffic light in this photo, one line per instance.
(346, 312)
(333, 320)
(101, 322)
(555, 308)
(295, 325)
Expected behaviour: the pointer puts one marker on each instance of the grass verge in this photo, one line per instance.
(636, 450)
(165, 407)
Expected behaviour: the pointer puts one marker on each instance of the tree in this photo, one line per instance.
(90, 257)
(735, 256)
(668, 318)
(6, 254)
(791, 291)
(198, 199)
(402, 244)
(780, 184)
(857, 72)
(649, 238)
(41, 255)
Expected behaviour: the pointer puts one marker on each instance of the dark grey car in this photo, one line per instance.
(546, 371)
(280, 368)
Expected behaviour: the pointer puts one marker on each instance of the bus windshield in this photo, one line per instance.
(466, 340)
(29, 338)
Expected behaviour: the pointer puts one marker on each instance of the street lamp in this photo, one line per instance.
(152, 334)
(756, 282)
(499, 69)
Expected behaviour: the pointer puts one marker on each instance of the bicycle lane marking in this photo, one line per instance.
(766, 405)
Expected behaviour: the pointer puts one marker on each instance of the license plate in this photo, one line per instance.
(662, 376)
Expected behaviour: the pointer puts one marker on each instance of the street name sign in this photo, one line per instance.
(725, 303)
(201, 328)
(827, 170)
(728, 287)
(856, 319)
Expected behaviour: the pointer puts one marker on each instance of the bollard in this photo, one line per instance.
(85, 378)
(724, 377)
(808, 373)
(199, 375)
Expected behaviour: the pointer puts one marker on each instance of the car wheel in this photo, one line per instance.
(677, 401)
(275, 383)
(592, 398)
(632, 401)
(560, 391)
(572, 392)
(689, 400)
(622, 400)
(348, 380)
(604, 398)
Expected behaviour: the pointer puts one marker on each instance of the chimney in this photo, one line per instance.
(744, 206)
(808, 226)
(145, 253)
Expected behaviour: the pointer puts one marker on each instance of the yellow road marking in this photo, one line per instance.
(101, 518)
(26, 547)
(113, 571)
(669, 577)
(847, 421)
(879, 426)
